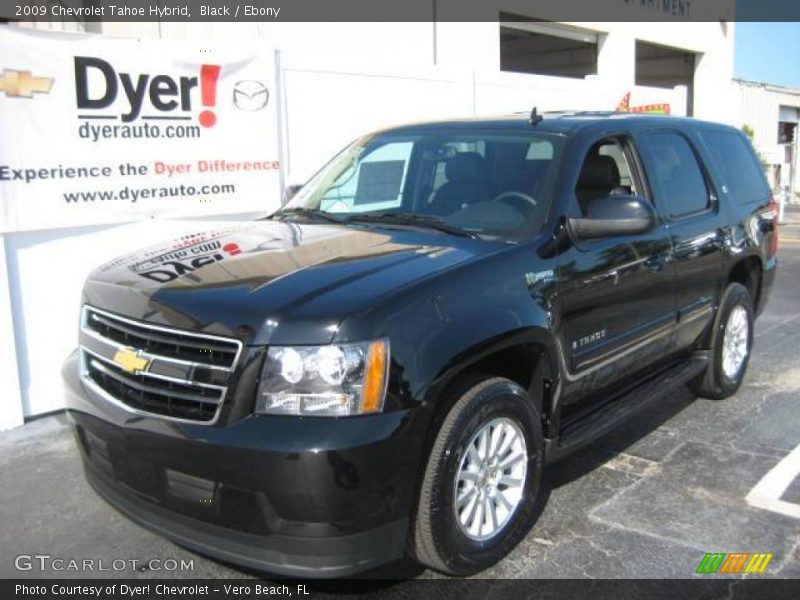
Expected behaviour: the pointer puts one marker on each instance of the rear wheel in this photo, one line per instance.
(731, 342)
(481, 481)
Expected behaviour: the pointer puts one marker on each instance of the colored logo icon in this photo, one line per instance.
(734, 562)
(23, 84)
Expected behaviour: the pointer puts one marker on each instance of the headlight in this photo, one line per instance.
(324, 381)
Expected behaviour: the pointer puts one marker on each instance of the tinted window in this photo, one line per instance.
(677, 176)
(739, 167)
(488, 182)
(605, 172)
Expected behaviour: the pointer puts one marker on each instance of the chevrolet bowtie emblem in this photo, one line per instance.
(22, 84)
(130, 361)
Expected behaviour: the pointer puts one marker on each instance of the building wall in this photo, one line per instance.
(393, 47)
(11, 412)
(759, 106)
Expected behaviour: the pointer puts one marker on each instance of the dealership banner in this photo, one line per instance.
(101, 130)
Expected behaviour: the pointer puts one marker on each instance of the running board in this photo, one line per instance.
(597, 423)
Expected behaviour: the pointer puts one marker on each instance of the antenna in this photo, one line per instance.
(536, 118)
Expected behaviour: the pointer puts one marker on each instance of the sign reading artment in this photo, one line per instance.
(102, 130)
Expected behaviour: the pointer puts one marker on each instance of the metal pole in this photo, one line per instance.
(795, 161)
(279, 115)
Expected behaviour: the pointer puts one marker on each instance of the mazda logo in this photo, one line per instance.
(250, 95)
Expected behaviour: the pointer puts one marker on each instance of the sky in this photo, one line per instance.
(768, 52)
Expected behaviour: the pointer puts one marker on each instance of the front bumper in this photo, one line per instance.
(307, 497)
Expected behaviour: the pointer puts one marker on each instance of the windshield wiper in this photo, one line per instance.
(425, 221)
(309, 213)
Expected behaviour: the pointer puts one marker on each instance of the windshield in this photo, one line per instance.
(480, 182)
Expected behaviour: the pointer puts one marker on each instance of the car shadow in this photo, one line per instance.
(383, 578)
(588, 458)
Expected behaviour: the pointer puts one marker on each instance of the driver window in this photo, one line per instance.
(606, 171)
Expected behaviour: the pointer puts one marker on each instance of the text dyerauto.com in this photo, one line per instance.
(47, 562)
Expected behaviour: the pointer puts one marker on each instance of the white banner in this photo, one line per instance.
(98, 129)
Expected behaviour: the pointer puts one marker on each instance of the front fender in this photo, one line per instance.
(437, 330)
(537, 338)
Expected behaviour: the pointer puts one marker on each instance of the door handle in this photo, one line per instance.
(657, 261)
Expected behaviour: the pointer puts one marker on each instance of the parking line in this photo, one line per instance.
(767, 492)
(778, 325)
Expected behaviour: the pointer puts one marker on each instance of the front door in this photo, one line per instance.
(617, 297)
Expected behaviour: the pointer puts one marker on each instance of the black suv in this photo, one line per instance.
(385, 365)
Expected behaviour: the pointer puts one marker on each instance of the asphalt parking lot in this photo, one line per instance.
(646, 501)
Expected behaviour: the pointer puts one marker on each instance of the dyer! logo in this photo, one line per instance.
(183, 261)
(734, 562)
(159, 97)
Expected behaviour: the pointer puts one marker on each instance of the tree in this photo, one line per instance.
(750, 133)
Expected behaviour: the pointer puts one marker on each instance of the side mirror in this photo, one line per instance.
(289, 191)
(613, 216)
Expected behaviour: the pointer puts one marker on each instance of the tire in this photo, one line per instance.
(719, 381)
(439, 540)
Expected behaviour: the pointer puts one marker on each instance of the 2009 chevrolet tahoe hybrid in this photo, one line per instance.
(386, 364)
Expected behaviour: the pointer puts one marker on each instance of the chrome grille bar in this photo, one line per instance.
(147, 333)
(143, 387)
(144, 367)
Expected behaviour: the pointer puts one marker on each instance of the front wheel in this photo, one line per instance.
(731, 342)
(482, 480)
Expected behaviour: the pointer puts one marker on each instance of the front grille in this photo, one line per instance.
(173, 344)
(170, 373)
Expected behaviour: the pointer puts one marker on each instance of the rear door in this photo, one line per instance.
(686, 197)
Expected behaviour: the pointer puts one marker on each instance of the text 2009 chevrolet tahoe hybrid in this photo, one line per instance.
(385, 365)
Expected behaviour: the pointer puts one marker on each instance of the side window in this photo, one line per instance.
(540, 151)
(617, 153)
(376, 184)
(738, 165)
(606, 171)
(678, 178)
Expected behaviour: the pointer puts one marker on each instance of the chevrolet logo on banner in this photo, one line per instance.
(22, 84)
(130, 361)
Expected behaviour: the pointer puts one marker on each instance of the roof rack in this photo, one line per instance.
(535, 117)
(584, 113)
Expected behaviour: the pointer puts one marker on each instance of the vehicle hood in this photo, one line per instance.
(273, 282)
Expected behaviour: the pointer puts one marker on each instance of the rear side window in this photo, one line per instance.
(677, 176)
(738, 165)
